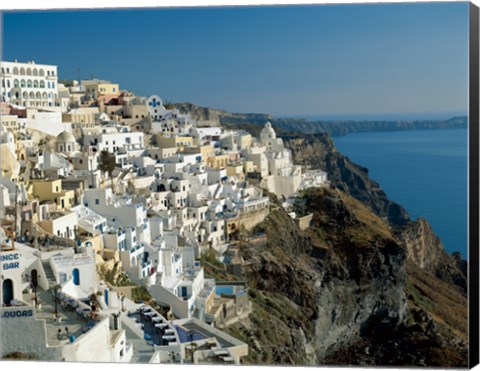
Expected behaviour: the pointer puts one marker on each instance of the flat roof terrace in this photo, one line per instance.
(155, 327)
(73, 315)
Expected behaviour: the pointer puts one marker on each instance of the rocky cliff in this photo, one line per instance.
(343, 292)
(425, 250)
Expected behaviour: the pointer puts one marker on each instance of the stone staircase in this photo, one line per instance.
(49, 274)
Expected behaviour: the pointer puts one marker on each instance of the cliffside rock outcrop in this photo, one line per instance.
(345, 276)
(425, 249)
(318, 152)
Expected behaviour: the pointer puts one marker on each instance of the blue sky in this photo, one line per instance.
(297, 60)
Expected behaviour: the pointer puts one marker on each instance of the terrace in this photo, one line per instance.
(156, 329)
(61, 312)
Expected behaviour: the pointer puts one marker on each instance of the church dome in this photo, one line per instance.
(65, 137)
(268, 132)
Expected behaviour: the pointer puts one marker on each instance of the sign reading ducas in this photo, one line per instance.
(17, 313)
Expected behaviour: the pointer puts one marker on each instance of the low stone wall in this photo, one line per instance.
(304, 222)
(247, 220)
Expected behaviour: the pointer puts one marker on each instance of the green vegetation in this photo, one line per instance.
(141, 295)
(418, 298)
(210, 257)
(107, 164)
(66, 83)
(115, 276)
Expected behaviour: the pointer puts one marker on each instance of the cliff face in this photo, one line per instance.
(425, 250)
(318, 152)
(339, 281)
(343, 292)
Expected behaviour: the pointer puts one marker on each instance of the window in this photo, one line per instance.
(76, 276)
(97, 201)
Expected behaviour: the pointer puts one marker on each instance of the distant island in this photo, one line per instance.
(306, 126)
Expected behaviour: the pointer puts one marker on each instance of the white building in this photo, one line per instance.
(29, 84)
(284, 178)
(114, 138)
(60, 223)
(34, 325)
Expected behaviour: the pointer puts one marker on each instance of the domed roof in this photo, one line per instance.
(268, 131)
(65, 136)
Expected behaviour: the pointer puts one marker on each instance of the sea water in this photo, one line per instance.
(425, 171)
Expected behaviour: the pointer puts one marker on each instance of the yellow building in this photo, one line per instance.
(96, 88)
(108, 89)
(248, 167)
(218, 162)
(169, 141)
(237, 171)
(84, 115)
(51, 190)
(205, 151)
(244, 141)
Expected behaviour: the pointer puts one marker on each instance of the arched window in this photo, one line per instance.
(35, 83)
(76, 276)
(32, 95)
(41, 72)
(29, 71)
(25, 95)
(15, 70)
(35, 72)
(38, 95)
(16, 83)
(42, 84)
(22, 71)
(22, 83)
(29, 84)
